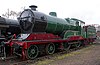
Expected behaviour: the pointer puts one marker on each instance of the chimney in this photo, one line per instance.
(33, 7)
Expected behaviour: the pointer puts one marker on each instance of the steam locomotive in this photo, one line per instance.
(8, 27)
(41, 33)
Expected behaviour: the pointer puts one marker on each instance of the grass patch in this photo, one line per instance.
(47, 61)
(67, 55)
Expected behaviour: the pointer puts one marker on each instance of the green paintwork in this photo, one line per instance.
(70, 33)
(83, 32)
(53, 14)
(91, 32)
(55, 24)
(58, 25)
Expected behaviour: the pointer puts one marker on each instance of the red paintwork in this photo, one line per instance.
(73, 38)
(43, 38)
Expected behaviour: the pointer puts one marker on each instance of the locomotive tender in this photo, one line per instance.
(41, 33)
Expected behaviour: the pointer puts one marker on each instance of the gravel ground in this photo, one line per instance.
(86, 56)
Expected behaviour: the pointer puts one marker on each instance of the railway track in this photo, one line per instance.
(14, 60)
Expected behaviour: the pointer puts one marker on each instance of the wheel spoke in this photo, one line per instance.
(78, 44)
(32, 52)
(30, 55)
(66, 46)
(50, 48)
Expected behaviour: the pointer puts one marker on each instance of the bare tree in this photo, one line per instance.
(6, 14)
(11, 13)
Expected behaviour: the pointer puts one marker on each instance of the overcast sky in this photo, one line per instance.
(86, 10)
